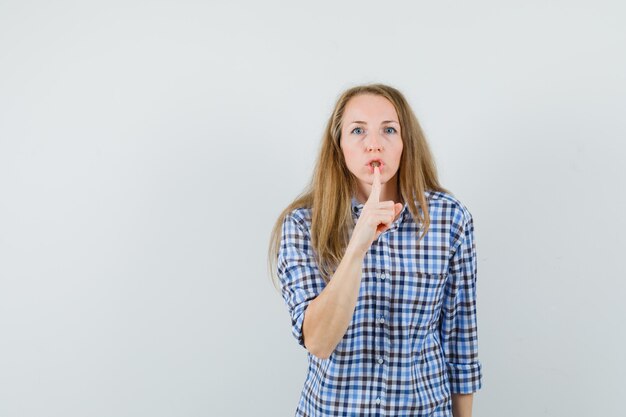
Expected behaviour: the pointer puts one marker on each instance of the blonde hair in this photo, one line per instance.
(330, 191)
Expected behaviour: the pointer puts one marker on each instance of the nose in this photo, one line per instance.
(374, 143)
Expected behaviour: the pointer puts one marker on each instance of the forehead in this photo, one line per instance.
(369, 107)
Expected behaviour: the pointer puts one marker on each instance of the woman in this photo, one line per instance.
(382, 295)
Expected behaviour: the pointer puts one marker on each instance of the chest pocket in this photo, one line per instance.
(419, 295)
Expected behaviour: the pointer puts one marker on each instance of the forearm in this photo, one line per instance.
(462, 405)
(328, 316)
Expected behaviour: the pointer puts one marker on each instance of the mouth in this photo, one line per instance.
(375, 162)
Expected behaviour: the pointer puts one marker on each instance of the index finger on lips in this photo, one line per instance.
(375, 193)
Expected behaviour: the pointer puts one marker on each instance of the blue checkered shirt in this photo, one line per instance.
(413, 338)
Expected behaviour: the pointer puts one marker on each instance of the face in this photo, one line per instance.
(371, 131)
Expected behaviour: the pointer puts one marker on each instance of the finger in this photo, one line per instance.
(384, 217)
(385, 205)
(375, 193)
(394, 210)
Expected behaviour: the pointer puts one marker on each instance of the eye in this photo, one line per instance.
(393, 130)
(355, 129)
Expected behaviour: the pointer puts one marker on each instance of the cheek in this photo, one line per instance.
(350, 157)
(399, 153)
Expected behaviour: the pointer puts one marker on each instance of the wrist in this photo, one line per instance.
(354, 253)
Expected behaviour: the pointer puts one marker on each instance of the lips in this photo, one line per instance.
(381, 165)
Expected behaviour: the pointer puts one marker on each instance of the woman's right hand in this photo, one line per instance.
(376, 217)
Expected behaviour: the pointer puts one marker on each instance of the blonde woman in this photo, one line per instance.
(376, 263)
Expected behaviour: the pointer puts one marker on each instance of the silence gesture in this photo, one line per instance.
(375, 218)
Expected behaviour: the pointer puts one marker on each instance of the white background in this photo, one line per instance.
(147, 147)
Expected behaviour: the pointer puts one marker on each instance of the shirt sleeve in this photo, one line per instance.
(300, 279)
(459, 330)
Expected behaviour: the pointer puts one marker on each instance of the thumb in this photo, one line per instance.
(398, 207)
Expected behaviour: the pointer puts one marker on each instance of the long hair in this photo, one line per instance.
(332, 186)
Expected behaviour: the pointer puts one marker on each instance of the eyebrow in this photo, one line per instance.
(384, 121)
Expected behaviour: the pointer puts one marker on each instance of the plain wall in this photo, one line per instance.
(147, 148)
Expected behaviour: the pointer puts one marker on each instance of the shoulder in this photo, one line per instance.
(450, 206)
(449, 210)
(299, 217)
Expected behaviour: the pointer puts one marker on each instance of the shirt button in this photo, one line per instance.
(381, 320)
(382, 275)
(381, 361)
(378, 400)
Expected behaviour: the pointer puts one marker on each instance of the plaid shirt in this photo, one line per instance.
(413, 338)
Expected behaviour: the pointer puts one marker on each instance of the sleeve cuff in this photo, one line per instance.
(297, 320)
(465, 378)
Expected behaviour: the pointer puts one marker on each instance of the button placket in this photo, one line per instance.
(383, 305)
